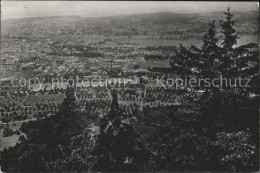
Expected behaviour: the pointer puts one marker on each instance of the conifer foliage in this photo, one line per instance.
(118, 147)
(220, 58)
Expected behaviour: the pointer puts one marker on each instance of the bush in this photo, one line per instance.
(21, 138)
(6, 120)
(8, 132)
(236, 151)
(2, 126)
(24, 117)
(17, 132)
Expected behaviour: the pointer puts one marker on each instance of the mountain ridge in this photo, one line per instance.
(158, 17)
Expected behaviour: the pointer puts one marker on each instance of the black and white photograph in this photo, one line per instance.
(129, 86)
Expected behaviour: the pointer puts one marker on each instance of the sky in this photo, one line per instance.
(20, 9)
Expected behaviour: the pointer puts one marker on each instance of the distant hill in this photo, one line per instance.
(32, 19)
(158, 18)
(249, 16)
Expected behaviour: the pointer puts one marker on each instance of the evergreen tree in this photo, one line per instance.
(111, 146)
(229, 31)
(230, 61)
(211, 61)
(118, 147)
(184, 62)
(240, 61)
(199, 62)
(69, 104)
(208, 55)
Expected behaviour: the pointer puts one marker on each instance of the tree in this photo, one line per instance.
(118, 147)
(184, 62)
(230, 34)
(78, 156)
(234, 62)
(45, 138)
(211, 61)
(227, 108)
(69, 104)
(234, 155)
(110, 146)
(21, 138)
(208, 54)
(240, 61)
(24, 157)
(8, 132)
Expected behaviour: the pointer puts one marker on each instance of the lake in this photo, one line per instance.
(144, 42)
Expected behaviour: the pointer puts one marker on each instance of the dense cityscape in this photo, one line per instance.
(65, 81)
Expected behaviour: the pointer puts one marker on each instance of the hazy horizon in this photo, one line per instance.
(23, 9)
